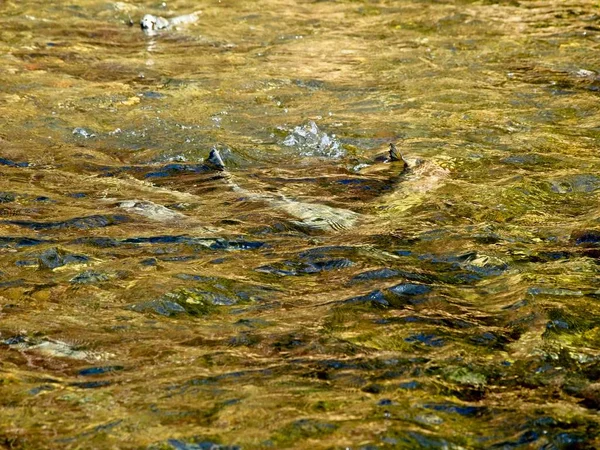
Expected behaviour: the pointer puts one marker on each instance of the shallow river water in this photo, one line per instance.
(308, 296)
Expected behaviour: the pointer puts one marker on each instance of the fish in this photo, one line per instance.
(318, 216)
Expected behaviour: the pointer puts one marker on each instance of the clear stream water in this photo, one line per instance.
(308, 297)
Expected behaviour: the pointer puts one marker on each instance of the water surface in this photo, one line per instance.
(307, 298)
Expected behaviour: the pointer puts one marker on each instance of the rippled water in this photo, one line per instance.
(308, 296)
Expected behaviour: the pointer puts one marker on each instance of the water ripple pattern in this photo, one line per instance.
(206, 243)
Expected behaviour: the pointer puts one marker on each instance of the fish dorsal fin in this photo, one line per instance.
(214, 160)
(396, 155)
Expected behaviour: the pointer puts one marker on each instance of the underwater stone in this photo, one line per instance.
(211, 243)
(409, 289)
(304, 428)
(202, 445)
(150, 210)
(7, 197)
(586, 238)
(163, 307)
(55, 257)
(295, 268)
(89, 277)
(42, 388)
(576, 183)
(101, 370)
(467, 411)
(409, 385)
(375, 298)
(376, 274)
(430, 340)
(102, 242)
(82, 132)
(401, 294)
(149, 262)
(10, 163)
(82, 223)
(20, 241)
(465, 376)
(90, 384)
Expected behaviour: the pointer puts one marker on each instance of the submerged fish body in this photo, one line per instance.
(420, 176)
(392, 182)
(312, 216)
(54, 348)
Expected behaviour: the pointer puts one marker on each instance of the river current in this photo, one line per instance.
(310, 295)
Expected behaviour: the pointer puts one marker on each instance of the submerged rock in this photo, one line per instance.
(195, 302)
(314, 260)
(295, 268)
(7, 197)
(452, 408)
(99, 370)
(81, 223)
(196, 444)
(162, 307)
(477, 264)
(430, 340)
(11, 163)
(6, 241)
(395, 296)
(581, 183)
(82, 132)
(303, 429)
(226, 291)
(150, 23)
(53, 258)
(376, 274)
(90, 277)
(211, 243)
(467, 377)
(586, 238)
(54, 348)
(150, 210)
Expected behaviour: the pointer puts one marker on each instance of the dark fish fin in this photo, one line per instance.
(214, 160)
(396, 155)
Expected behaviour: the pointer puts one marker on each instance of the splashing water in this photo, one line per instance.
(309, 140)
